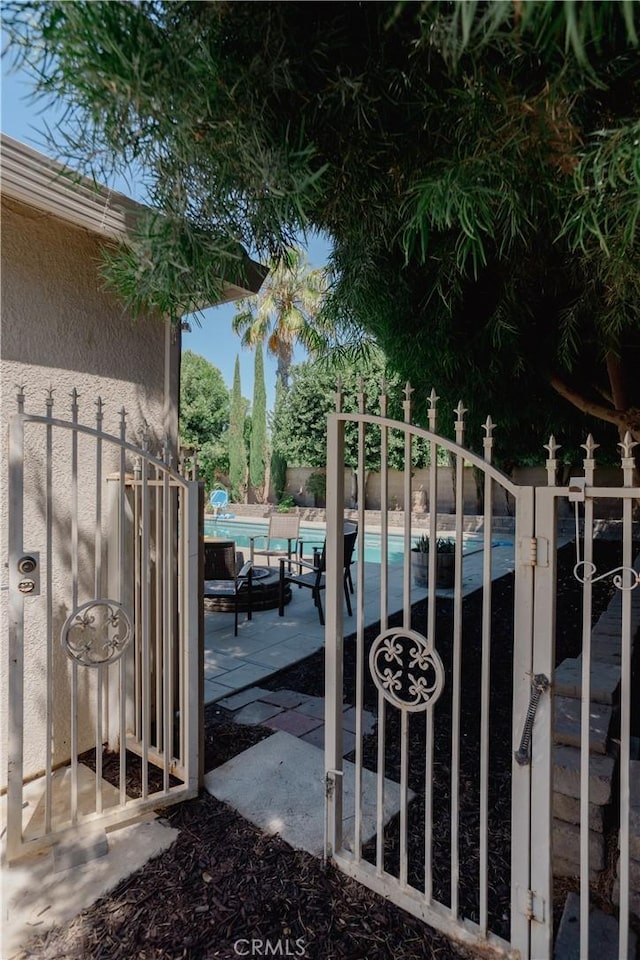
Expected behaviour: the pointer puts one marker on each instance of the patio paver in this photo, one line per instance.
(293, 723)
(256, 712)
(284, 698)
(242, 699)
(313, 707)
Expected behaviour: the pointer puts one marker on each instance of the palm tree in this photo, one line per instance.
(285, 312)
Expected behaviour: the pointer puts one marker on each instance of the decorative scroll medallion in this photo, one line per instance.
(584, 571)
(96, 633)
(406, 669)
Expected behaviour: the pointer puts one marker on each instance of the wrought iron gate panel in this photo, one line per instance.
(405, 674)
(103, 627)
(410, 676)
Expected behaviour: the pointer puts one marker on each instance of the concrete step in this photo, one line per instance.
(605, 680)
(603, 934)
(567, 726)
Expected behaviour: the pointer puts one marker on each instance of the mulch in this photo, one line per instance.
(223, 881)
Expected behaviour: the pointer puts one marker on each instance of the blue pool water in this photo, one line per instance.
(241, 530)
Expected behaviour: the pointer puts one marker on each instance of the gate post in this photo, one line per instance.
(192, 601)
(544, 635)
(334, 635)
(15, 672)
(522, 669)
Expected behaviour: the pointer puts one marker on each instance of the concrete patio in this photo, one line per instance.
(268, 643)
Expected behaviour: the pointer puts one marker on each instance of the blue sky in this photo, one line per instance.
(213, 339)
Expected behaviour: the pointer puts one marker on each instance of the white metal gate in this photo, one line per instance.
(103, 615)
(470, 850)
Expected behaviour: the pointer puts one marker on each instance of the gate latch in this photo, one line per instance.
(28, 567)
(539, 684)
(576, 489)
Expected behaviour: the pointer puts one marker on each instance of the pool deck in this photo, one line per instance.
(268, 643)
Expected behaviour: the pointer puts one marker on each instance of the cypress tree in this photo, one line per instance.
(278, 460)
(237, 448)
(257, 450)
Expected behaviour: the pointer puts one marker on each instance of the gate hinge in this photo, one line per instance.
(530, 904)
(534, 551)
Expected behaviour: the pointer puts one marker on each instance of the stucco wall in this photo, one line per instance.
(61, 329)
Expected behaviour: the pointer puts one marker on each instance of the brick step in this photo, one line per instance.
(566, 845)
(605, 680)
(566, 724)
(603, 934)
(566, 774)
(568, 809)
(571, 868)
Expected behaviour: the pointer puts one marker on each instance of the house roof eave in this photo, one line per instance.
(38, 181)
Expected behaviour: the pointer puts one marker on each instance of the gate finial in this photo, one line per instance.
(48, 400)
(590, 446)
(433, 410)
(626, 445)
(74, 404)
(20, 397)
(362, 396)
(407, 403)
(383, 396)
(628, 460)
(460, 411)
(99, 413)
(552, 463)
(487, 441)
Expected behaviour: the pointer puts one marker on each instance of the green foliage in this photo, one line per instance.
(278, 465)
(278, 474)
(258, 446)
(285, 312)
(475, 165)
(443, 544)
(286, 503)
(237, 447)
(204, 415)
(316, 485)
(300, 427)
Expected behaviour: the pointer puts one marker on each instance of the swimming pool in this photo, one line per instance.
(241, 530)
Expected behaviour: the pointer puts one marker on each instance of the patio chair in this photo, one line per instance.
(349, 526)
(281, 527)
(218, 500)
(223, 580)
(315, 578)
